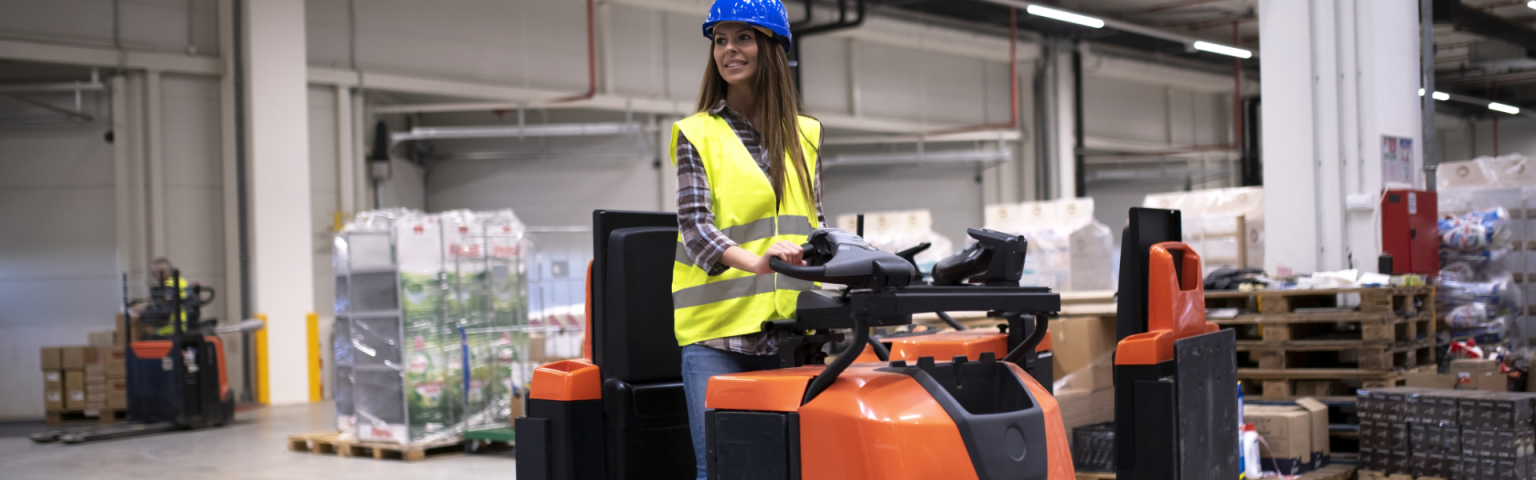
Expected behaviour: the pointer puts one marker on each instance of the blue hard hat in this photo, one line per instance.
(767, 14)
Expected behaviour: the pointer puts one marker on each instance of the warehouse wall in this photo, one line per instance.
(659, 54)
(1474, 138)
(58, 257)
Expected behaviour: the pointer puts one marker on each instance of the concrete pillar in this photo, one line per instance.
(282, 276)
(1337, 76)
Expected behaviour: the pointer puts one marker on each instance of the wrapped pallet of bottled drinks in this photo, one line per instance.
(431, 311)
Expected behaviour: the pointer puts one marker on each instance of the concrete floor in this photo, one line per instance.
(254, 447)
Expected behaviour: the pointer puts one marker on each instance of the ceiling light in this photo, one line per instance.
(1064, 16)
(1499, 107)
(1532, 4)
(1223, 49)
(1442, 96)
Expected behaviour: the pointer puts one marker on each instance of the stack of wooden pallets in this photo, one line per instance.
(1320, 342)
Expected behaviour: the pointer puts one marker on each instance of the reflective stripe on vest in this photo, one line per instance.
(746, 211)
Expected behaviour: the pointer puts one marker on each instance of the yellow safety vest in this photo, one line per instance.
(181, 292)
(737, 302)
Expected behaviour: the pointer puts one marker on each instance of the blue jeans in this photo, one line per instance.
(700, 363)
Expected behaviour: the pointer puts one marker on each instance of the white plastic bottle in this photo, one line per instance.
(1250, 446)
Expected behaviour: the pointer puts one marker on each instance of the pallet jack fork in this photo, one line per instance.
(1174, 374)
(621, 413)
(174, 383)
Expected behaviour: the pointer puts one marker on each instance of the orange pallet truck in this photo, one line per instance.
(175, 383)
(1174, 374)
(620, 414)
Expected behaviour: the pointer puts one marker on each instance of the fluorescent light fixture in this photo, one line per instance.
(1421, 91)
(1532, 4)
(1223, 49)
(1441, 96)
(1499, 107)
(1064, 16)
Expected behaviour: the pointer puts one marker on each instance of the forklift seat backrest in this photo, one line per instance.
(631, 286)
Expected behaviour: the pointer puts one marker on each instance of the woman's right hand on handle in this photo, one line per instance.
(787, 251)
(741, 259)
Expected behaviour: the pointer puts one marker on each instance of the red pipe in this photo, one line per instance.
(591, 63)
(1013, 83)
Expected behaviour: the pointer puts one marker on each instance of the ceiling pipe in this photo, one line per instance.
(801, 32)
(591, 63)
(1013, 87)
(1116, 24)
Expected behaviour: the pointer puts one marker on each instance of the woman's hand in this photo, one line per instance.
(787, 251)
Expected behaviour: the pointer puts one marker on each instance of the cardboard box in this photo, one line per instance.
(53, 380)
(73, 357)
(52, 359)
(102, 339)
(1288, 434)
(1077, 341)
(1485, 381)
(1474, 365)
(116, 362)
(74, 390)
(117, 394)
(53, 400)
(1319, 413)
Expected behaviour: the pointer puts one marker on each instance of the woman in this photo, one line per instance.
(748, 190)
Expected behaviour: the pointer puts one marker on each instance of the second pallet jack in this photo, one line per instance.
(174, 383)
(1175, 373)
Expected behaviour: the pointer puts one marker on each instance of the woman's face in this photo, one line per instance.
(736, 52)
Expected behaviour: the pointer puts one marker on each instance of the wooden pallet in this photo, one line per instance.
(1370, 475)
(1403, 301)
(1337, 354)
(105, 416)
(1285, 383)
(1331, 472)
(1367, 328)
(332, 443)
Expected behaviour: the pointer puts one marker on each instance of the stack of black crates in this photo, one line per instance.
(1450, 434)
(1093, 447)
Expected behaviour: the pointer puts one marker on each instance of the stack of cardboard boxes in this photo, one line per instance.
(106, 383)
(85, 378)
(63, 378)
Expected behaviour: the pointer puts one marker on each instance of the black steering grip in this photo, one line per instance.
(801, 272)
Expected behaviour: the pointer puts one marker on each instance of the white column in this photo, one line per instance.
(281, 275)
(1337, 76)
(1065, 118)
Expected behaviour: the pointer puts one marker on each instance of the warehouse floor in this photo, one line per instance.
(255, 447)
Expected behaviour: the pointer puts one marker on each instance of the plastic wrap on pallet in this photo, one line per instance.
(1087, 396)
(1477, 294)
(1068, 249)
(1210, 223)
(444, 357)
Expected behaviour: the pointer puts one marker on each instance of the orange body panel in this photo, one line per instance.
(1175, 307)
(223, 375)
(872, 424)
(151, 349)
(768, 390)
(1057, 447)
(946, 345)
(567, 381)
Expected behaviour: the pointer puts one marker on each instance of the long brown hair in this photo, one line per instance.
(778, 111)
